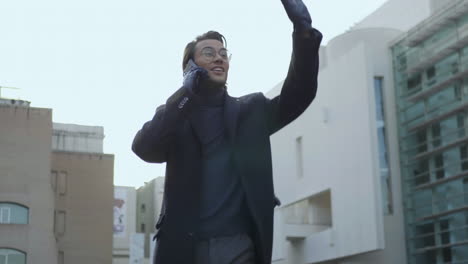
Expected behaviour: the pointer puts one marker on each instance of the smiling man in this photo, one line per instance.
(219, 196)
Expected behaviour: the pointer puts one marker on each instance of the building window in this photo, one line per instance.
(12, 256)
(53, 180)
(384, 174)
(430, 73)
(464, 157)
(60, 222)
(11, 213)
(62, 183)
(143, 228)
(299, 158)
(413, 83)
(61, 257)
(143, 208)
(5, 213)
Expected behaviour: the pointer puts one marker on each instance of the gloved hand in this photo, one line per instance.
(298, 14)
(193, 75)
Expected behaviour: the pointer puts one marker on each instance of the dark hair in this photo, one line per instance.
(190, 48)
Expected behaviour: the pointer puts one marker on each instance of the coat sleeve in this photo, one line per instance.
(156, 137)
(300, 86)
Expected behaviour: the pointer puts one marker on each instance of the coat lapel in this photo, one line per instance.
(231, 116)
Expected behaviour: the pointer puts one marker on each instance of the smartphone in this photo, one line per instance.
(190, 65)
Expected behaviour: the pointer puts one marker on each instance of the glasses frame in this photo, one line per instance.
(212, 58)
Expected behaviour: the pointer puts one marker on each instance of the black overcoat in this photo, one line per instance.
(250, 120)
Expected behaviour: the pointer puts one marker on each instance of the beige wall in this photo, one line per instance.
(25, 146)
(87, 202)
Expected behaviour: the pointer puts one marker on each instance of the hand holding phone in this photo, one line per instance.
(193, 74)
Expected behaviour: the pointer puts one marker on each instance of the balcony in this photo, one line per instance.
(436, 116)
(440, 149)
(308, 216)
(441, 81)
(420, 58)
(448, 203)
(441, 181)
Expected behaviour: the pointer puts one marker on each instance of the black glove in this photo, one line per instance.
(298, 14)
(193, 74)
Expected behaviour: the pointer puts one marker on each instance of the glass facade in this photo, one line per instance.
(431, 78)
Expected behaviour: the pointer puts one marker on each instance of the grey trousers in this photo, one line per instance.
(238, 249)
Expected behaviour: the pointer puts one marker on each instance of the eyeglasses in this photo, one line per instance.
(209, 54)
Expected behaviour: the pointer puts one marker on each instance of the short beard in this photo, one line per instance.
(209, 86)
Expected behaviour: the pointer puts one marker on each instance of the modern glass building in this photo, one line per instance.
(431, 77)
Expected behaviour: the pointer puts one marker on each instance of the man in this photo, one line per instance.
(219, 198)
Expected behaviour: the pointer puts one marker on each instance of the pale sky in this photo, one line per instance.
(112, 62)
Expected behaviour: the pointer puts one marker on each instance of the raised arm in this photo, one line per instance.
(300, 86)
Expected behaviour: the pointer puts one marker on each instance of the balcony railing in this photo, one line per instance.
(435, 142)
(437, 116)
(433, 213)
(440, 149)
(422, 57)
(441, 81)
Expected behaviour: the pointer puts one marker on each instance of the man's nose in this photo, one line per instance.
(218, 59)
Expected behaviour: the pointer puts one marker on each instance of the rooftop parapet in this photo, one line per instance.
(77, 138)
(14, 102)
(440, 19)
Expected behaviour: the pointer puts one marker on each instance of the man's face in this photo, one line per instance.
(211, 55)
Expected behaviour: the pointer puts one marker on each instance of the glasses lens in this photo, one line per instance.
(209, 53)
(224, 54)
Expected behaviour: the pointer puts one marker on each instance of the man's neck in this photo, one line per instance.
(208, 88)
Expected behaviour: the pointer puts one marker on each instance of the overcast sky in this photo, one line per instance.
(112, 62)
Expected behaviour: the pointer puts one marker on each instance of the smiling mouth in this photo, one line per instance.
(217, 70)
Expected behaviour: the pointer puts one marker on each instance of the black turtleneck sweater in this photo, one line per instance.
(223, 207)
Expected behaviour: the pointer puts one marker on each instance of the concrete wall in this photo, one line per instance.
(340, 158)
(25, 146)
(397, 14)
(438, 4)
(87, 202)
(77, 138)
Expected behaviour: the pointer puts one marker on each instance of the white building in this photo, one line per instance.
(336, 168)
(149, 203)
(135, 216)
(124, 223)
(71, 137)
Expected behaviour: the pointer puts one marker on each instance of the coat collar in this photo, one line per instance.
(232, 108)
